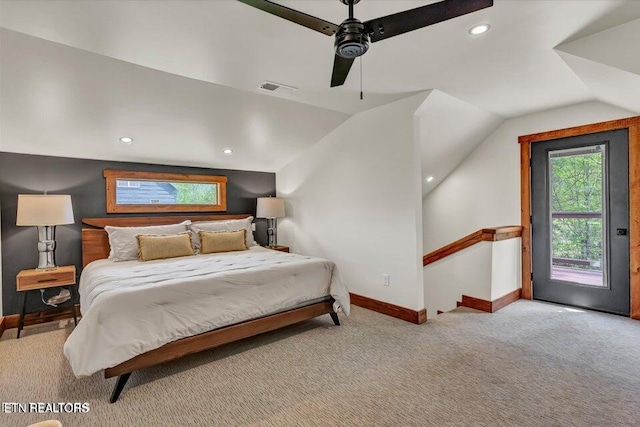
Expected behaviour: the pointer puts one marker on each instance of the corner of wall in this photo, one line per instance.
(355, 198)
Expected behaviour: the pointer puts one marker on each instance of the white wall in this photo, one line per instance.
(487, 270)
(506, 267)
(484, 191)
(467, 272)
(355, 198)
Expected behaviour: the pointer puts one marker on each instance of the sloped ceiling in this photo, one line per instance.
(449, 130)
(608, 63)
(61, 101)
(510, 71)
(601, 54)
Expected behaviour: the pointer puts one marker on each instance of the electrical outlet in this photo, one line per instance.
(386, 279)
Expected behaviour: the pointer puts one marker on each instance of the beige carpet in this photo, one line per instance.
(530, 364)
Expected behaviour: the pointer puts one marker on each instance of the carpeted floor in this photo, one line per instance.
(530, 364)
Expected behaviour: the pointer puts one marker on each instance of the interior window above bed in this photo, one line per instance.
(164, 192)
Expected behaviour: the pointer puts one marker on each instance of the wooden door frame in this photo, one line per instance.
(525, 141)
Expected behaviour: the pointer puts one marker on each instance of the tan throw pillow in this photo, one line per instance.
(152, 247)
(229, 225)
(123, 242)
(222, 241)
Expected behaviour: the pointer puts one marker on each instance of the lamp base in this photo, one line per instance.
(272, 231)
(46, 247)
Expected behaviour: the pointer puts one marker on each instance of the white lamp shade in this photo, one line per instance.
(270, 207)
(41, 209)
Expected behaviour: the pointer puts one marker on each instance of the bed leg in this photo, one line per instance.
(122, 380)
(334, 317)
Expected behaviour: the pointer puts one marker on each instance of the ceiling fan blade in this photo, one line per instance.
(317, 24)
(409, 20)
(341, 67)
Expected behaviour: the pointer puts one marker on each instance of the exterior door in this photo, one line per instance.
(580, 221)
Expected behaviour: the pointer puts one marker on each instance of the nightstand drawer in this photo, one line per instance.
(37, 279)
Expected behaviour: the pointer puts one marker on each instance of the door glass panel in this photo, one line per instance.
(578, 215)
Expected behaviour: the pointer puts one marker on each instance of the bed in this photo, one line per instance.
(139, 314)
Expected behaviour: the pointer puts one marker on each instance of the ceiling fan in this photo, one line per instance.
(352, 36)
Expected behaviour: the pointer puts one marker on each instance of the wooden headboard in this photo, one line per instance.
(95, 241)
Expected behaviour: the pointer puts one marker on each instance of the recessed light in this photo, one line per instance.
(476, 30)
(227, 151)
(126, 140)
(429, 179)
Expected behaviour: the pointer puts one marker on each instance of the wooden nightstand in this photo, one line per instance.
(34, 280)
(278, 248)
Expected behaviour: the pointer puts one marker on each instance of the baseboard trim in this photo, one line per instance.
(417, 317)
(58, 313)
(476, 303)
(491, 306)
(505, 300)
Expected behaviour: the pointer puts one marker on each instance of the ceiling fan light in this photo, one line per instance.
(476, 30)
(351, 50)
(352, 40)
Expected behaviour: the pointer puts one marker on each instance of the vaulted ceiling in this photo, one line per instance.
(538, 55)
(607, 62)
(509, 71)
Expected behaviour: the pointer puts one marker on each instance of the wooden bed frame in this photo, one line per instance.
(95, 246)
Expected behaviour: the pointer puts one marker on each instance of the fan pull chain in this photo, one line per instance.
(361, 94)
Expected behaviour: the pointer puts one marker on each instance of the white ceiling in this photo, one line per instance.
(611, 46)
(598, 54)
(510, 71)
(449, 130)
(608, 84)
(60, 101)
(181, 76)
(607, 62)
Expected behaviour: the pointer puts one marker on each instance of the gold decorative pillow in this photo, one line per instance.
(223, 241)
(159, 246)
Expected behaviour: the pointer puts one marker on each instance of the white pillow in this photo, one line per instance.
(123, 242)
(228, 225)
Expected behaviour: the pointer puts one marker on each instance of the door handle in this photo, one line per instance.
(621, 231)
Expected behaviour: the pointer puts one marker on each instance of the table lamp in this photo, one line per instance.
(45, 212)
(271, 208)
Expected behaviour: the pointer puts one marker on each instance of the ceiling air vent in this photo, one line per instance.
(277, 88)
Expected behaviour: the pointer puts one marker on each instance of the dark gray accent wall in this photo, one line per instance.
(83, 180)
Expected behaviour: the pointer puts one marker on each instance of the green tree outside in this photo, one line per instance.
(196, 194)
(576, 187)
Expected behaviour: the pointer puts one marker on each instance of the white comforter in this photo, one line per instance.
(131, 307)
